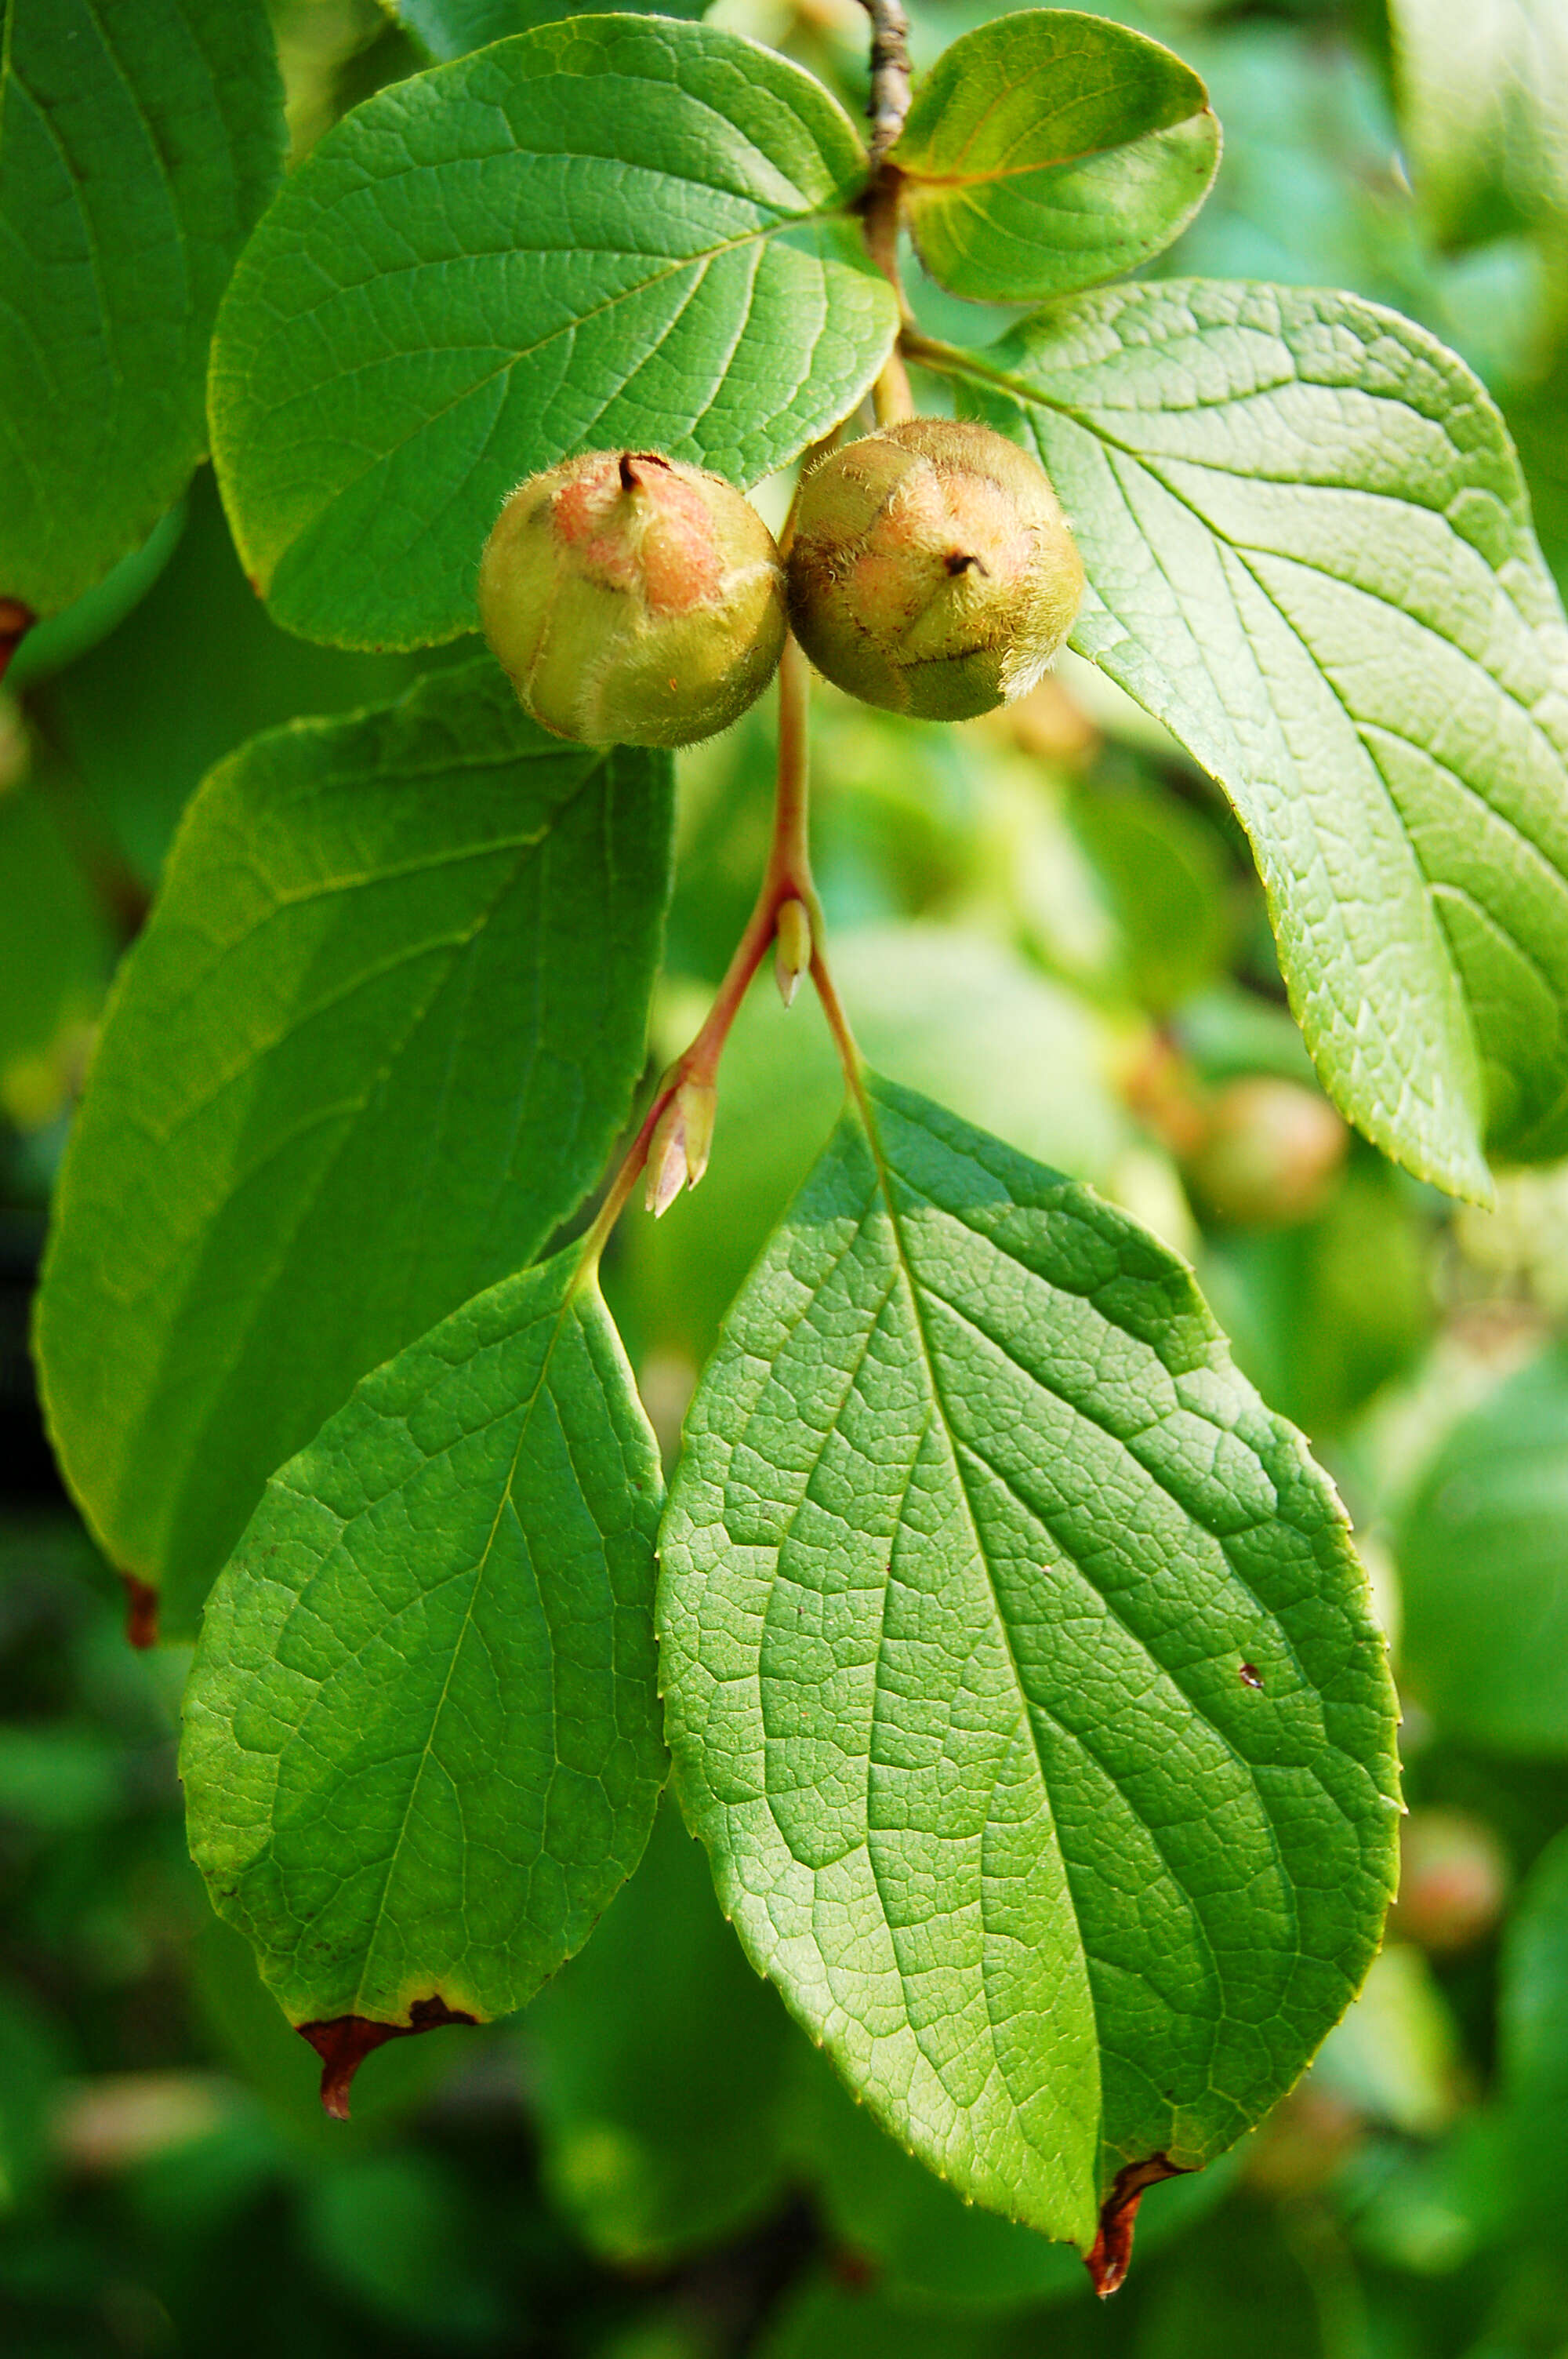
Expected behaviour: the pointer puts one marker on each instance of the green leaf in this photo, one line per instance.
(450, 28)
(55, 957)
(950, 1013)
(1242, 2268)
(1320, 1314)
(1162, 869)
(140, 752)
(1484, 108)
(1532, 2036)
(57, 1779)
(32, 2066)
(929, 2248)
(1049, 150)
(1396, 2056)
(822, 2313)
(1309, 554)
(659, 2066)
(376, 1043)
(1020, 1676)
(139, 141)
(398, 2234)
(1483, 1556)
(618, 229)
(51, 646)
(421, 1747)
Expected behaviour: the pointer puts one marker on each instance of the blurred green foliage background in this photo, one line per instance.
(1049, 921)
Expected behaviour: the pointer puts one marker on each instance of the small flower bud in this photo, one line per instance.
(932, 570)
(678, 1149)
(792, 948)
(633, 601)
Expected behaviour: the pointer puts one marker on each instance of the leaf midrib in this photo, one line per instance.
(390, 452)
(1003, 172)
(566, 1306)
(1061, 57)
(916, 1288)
(265, 1287)
(865, 1105)
(1084, 422)
(1299, 995)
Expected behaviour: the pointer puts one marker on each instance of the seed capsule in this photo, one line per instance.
(932, 571)
(633, 601)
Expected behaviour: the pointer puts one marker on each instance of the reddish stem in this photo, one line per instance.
(786, 877)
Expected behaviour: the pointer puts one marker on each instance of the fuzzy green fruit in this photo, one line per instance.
(633, 601)
(932, 570)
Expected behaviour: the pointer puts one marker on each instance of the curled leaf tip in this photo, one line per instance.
(1110, 2256)
(343, 2041)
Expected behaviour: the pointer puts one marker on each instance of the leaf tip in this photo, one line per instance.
(1110, 2256)
(141, 1612)
(16, 622)
(343, 2041)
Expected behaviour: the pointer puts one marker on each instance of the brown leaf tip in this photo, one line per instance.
(141, 1611)
(16, 622)
(1109, 2256)
(343, 2041)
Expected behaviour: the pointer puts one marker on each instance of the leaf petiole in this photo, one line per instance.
(786, 877)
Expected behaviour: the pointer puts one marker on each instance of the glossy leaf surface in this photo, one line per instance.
(1049, 150)
(1309, 553)
(617, 230)
(421, 1742)
(139, 141)
(975, 1531)
(375, 1044)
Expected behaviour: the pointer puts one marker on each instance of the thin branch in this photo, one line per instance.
(890, 74)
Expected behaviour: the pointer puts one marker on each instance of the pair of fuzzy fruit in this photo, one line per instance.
(634, 600)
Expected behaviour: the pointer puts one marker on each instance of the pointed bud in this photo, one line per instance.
(700, 1100)
(633, 601)
(666, 1160)
(678, 1151)
(932, 570)
(792, 948)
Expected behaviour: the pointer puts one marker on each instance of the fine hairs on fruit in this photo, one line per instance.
(932, 571)
(633, 600)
